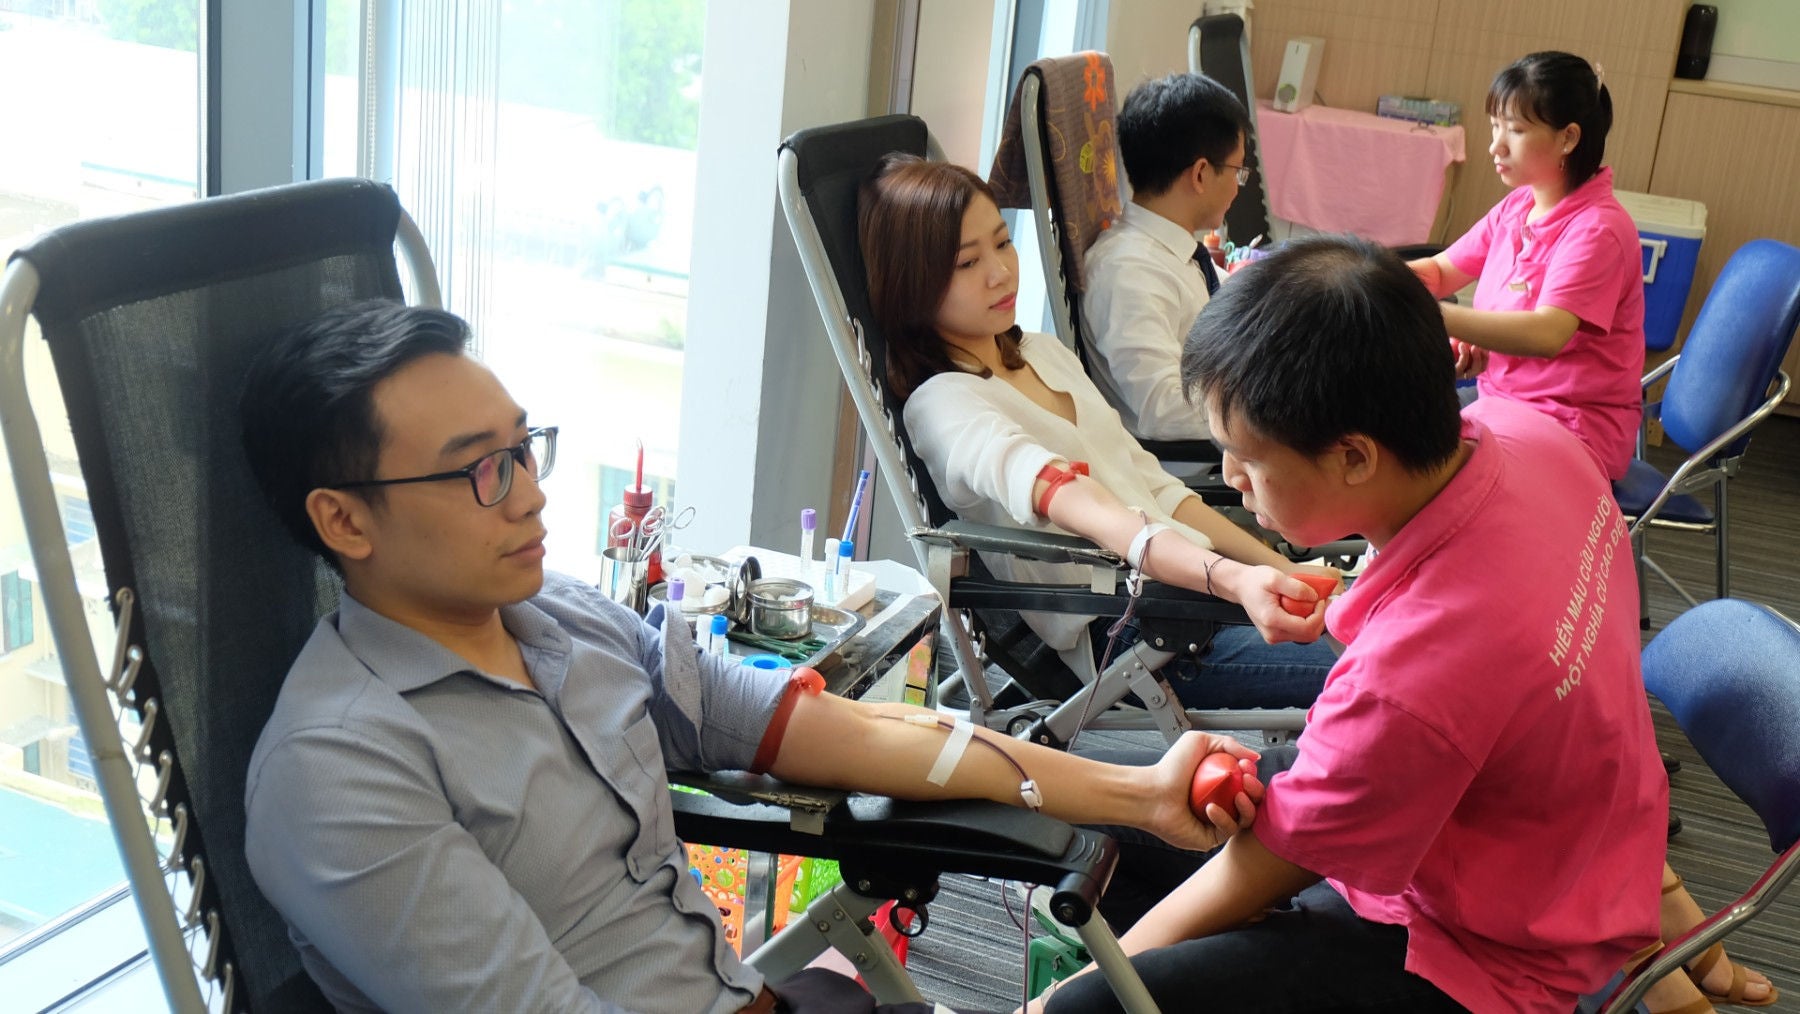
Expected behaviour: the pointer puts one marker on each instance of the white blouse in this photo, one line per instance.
(984, 442)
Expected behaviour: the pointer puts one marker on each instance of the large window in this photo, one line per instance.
(101, 117)
(547, 149)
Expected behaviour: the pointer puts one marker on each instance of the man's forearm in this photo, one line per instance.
(892, 757)
(1242, 880)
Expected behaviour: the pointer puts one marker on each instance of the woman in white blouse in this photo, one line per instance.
(1001, 417)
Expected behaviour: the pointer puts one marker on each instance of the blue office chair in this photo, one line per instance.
(1725, 381)
(1729, 671)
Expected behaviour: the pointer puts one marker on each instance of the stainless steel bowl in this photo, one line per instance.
(781, 608)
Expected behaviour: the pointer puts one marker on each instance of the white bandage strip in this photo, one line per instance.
(1135, 554)
(951, 755)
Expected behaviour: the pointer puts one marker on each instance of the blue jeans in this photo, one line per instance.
(1238, 669)
(1315, 955)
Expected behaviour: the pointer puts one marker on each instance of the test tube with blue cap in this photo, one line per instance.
(840, 569)
(720, 635)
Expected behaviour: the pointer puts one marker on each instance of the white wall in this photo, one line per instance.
(950, 76)
(1757, 42)
(760, 389)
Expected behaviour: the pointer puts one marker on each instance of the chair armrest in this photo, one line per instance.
(1046, 547)
(890, 837)
(1158, 601)
(1183, 450)
(1662, 370)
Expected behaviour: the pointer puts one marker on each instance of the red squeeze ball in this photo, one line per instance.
(1324, 584)
(1218, 779)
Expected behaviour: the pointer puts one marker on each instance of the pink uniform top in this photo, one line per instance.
(1581, 257)
(1480, 766)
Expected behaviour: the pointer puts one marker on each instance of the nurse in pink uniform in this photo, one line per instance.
(1558, 315)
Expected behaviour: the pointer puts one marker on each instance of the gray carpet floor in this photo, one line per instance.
(972, 958)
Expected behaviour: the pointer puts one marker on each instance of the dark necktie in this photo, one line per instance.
(1203, 258)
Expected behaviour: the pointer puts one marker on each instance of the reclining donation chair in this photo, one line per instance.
(1059, 157)
(1729, 671)
(1219, 48)
(151, 319)
(1726, 380)
(822, 169)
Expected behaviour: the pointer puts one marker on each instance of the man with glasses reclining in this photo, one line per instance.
(460, 800)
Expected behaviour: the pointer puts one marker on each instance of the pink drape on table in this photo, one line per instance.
(1339, 170)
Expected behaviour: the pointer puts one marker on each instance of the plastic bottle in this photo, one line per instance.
(636, 503)
(1214, 247)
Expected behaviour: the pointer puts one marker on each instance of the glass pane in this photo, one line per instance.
(552, 171)
(103, 113)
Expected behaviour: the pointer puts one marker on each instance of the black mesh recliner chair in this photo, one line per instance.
(151, 320)
(1065, 140)
(821, 171)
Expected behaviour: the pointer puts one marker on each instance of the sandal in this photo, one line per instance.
(1696, 972)
(1740, 978)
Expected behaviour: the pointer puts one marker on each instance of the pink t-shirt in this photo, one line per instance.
(1581, 257)
(1480, 766)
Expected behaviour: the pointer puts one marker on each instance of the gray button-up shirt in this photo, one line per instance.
(440, 839)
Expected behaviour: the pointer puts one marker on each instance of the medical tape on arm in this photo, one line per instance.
(952, 753)
(957, 744)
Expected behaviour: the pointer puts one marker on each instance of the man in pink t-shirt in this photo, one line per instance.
(1475, 815)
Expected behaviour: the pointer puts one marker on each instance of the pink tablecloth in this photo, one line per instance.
(1338, 170)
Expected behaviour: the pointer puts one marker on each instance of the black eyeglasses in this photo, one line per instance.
(491, 476)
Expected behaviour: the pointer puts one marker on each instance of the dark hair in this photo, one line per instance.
(1169, 123)
(307, 407)
(909, 221)
(1329, 336)
(1557, 89)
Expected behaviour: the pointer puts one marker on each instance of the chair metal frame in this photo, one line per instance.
(1719, 459)
(1767, 887)
(943, 550)
(1701, 469)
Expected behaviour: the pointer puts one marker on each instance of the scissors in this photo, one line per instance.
(623, 531)
(657, 519)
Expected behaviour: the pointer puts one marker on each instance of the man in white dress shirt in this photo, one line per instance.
(1182, 141)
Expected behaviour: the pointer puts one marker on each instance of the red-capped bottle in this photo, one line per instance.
(637, 501)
